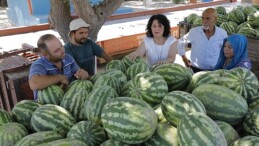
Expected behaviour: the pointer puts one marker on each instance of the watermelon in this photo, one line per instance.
(204, 77)
(229, 132)
(23, 111)
(10, 133)
(197, 21)
(148, 86)
(253, 19)
(199, 129)
(178, 104)
(243, 25)
(38, 138)
(221, 19)
(113, 142)
(81, 84)
(246, 141)
(221, 10)
(73, 102)
(249, 9)
(254, 101)
(115, 64)
(52, 118)
(230, 27)
(50, 95)
(126, 88)
(109, 81)
(161, 117)
(95, 102)
(250, 32)
(135, 69)
(250, 123)
(241, 80)
(129, 120)
(65, 142)
(119, 75)
(5, 117)
(191, 18)
(222, 103)
(237, 15)
(165, 135)
(176, 76)
(88, 132)
(128, 62)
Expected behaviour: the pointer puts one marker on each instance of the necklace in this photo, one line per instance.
(159, 56)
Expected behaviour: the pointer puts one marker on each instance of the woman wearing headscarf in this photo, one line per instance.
(234, 53)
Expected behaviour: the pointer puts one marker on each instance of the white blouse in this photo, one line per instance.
(156, 53)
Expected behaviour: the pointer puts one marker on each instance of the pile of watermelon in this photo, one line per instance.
(132, 104)
(240, 20)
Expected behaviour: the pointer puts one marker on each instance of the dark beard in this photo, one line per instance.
(81, 41)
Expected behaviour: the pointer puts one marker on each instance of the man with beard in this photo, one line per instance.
(206, 42)
(83, 49)
(54, 66)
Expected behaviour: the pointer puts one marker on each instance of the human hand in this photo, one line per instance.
(186, 61)
(81, 74)
(63, 82)
(133, 56)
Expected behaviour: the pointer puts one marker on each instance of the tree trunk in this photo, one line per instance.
(3, 3)
(60, 18)
(96, 15)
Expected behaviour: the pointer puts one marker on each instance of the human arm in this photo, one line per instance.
(181, 45)
(140, 52)
(106, 56)
(39, 82)
(171, 54)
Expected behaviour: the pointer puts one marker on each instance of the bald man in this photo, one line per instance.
(206, 42)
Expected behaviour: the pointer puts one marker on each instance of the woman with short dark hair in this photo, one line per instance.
(158, 46)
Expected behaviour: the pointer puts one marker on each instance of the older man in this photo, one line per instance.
(83, 49)
(54, 66)
(206, 42)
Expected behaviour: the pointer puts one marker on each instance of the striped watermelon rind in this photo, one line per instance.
(113, 142)
(65, 142)
(5, 117)
(246, 141)
(51, 117)
(228, 105)
(87, 131)
(129, 120)
(11, 133)
(200, 129)
(95, 102)
(250, 123)
(148, 86)
(23, 111)
(50, 95)
(176, 76)
(165, 135)
(177, 104)
(73, 102)
(39, 138)
(135, 69)
(229, 132)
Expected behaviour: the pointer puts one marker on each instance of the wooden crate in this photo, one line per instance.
(183, 28)
(253, 49)
(12, 69)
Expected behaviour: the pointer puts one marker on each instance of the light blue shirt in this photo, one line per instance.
(204, 51)
(43, 66)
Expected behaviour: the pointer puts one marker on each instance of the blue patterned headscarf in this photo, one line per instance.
(239, 44)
